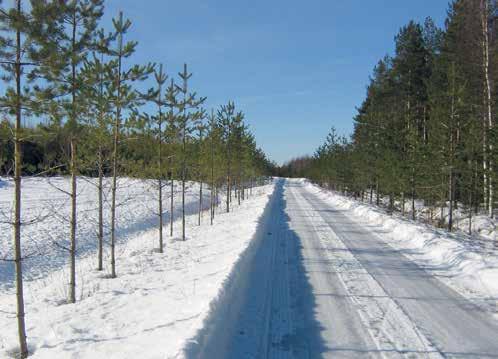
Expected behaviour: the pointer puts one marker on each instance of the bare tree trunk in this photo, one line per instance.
(21, 326)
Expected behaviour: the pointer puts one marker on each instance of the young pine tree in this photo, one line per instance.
(20, 57)
(188, 116)
(124, 98)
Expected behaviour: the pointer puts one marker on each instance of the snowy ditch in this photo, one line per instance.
(213, 339)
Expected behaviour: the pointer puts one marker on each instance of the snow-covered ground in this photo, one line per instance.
(158, 300)
(295, 271)
(469, 264)
(319, 283)
(46, 208)
(481, 224)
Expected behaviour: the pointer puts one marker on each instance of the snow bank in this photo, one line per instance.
(467, 264)
(157, 302)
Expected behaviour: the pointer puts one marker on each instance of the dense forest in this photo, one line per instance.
(73, 104)
(426, 129)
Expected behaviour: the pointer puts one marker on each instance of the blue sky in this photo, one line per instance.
(295, 68)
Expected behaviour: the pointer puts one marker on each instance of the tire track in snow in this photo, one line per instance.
(390, 326)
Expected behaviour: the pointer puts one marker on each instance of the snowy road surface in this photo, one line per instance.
(318, 284)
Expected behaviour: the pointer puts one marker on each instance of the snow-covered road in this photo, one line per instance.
(319, 284)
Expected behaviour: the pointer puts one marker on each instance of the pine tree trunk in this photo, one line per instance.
(171, 213)
(117, 125)
(229, 156)
(470, 211)
(211, 204)
(212, 176)
(450, 194)
(21, 326)
(238, 193)
(217, 201)
(403, 204)
(160, 184)
(184, 149)
(200, 203)
(100, 265)
(113, 201)
(414, 213)
(442, 204)
(228, 194)
(488, 119)
(183, 184)
(72, 250)
(72, 262)
(377, 194)
(160, 208)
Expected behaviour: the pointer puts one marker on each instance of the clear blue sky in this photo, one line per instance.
(295, 68)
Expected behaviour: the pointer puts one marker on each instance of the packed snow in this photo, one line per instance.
(157, 302)
(469, 264)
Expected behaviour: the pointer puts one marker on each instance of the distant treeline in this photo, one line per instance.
(46, 149)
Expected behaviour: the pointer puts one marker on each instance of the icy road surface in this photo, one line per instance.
(318, 284)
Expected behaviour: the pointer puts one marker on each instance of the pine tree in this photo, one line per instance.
(20, 57)
(225, 118)
(201, 127)
(213, 137)
(124, 98)
(97, 143)
(160, 102)
(172, 134)
(77, 21)
(189, 115)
